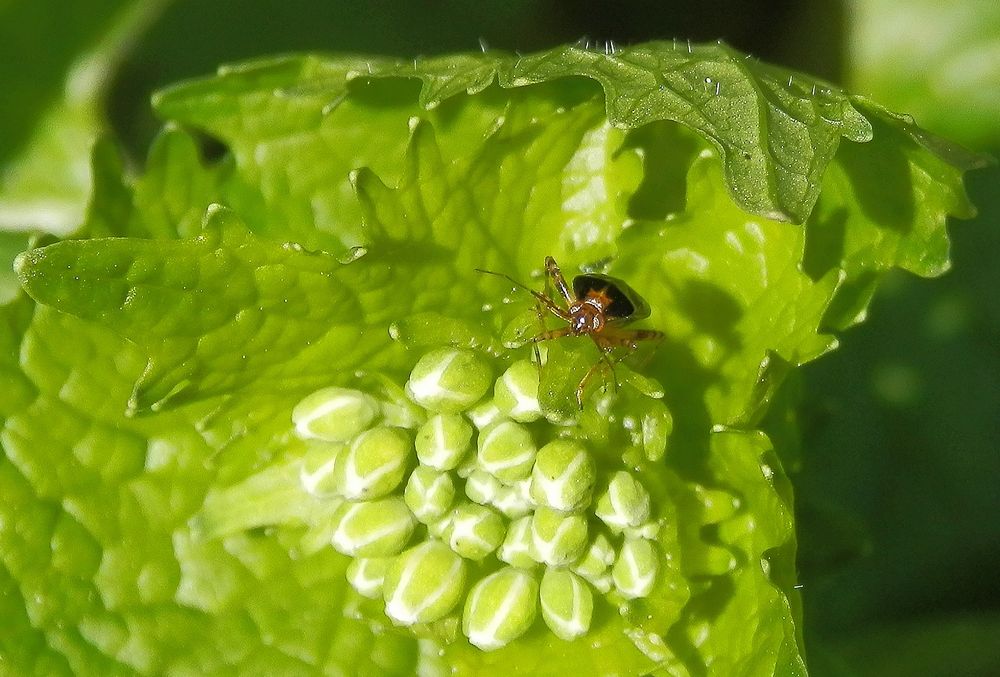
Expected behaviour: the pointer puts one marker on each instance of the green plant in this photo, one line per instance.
(173, 484)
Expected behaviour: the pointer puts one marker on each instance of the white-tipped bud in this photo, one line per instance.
(563, 476)
(365, 574)
(482, 487)
(475, 531)
(516, 392)
(634, 572)
(423, 584)
(500, 608)
(596, 561)
(373, 528)
(449, 380)
(443, 441)
(516, 547)
(334, 414)
(317, 470)
(558, 539)
(429, 494)
(506, 451)
(514, 501)
(374, 464)
(484, 414)
(624, 504)
(567, 604)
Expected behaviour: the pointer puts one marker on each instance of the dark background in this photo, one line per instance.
(898, 499)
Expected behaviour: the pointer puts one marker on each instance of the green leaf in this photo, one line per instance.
(885, 205)
(712, 89)
(337, 245)
(719, 282)
(103, 573)
(187, 303)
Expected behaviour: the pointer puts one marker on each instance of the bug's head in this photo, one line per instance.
(586, 319)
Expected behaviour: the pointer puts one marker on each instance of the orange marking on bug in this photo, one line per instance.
(600, 296)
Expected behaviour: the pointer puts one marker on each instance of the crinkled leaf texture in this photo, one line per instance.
(152, 520)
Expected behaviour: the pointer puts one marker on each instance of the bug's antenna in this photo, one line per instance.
(508, 278)
(542, 298)
(540, 301)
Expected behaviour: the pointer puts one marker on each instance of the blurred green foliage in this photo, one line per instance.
(902, 425)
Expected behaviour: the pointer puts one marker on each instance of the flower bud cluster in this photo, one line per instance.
(482, 512)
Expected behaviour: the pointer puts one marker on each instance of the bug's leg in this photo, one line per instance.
(553, 273)
(551, 334)
(606, 347)
(540, 309)
(540, 313)
(600, 365)
(654, 337)
(581, 387)
(628, 339)
(612, 338)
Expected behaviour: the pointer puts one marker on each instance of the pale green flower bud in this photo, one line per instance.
(482, 487)
(365, 574)
(506, 451)
(567, 603)
(656, 425)
(500, 608)
(558, 539)
(475, 531)
(563, 476)
(596, 561)
(484, 414)
(516, 547)
(429, 494)
(449, 380)
(439, 528)
(316, 472)
(374, 464)
(514, 501)
(443, 441)
(524, 506)
(624, 504)
(398, 410)
(647, 530)
(334, 414)
(423, 584)
(634, 572)
(468, 467)
(516, 392)
(372, 528)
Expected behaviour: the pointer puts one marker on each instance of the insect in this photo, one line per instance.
(599, 306)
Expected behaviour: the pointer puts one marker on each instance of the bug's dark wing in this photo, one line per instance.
(625, 303)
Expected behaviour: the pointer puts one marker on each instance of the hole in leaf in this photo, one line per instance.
(667, 151)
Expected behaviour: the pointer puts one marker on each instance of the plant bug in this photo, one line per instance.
(598, 306)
